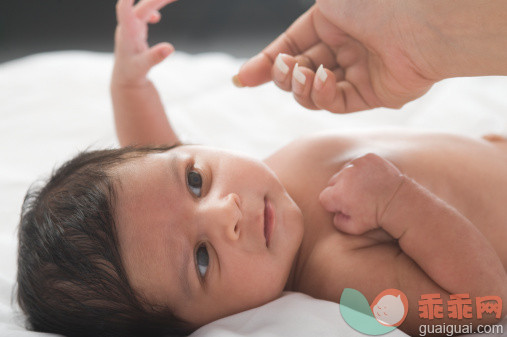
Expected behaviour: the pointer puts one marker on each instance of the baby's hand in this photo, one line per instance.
(360, 192)
(133, 56)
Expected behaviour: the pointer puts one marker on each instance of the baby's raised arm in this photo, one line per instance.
(138, 112)
(370, 193)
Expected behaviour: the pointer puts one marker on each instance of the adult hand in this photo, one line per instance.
(373, 54)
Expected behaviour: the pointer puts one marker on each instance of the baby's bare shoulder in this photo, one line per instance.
(310, 143)
(355, 142)
(307, 149)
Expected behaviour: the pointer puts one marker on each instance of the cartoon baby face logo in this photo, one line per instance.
(387, 311)
(390, 307)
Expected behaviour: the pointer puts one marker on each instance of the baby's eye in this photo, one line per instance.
(194, 181)
(202, 259)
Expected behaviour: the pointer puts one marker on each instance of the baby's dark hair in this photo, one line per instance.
(70, 278)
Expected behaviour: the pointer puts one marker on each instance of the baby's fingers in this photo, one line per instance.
(156, 54)
(155, 17)
(145, 8)
(330, 199)
(124, 10)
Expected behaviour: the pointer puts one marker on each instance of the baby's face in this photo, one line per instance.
(191, 224)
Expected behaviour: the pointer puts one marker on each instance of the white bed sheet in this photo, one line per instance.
(55, 104)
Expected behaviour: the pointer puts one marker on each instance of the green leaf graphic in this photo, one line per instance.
(356, 312)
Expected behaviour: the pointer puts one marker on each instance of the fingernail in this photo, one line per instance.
(281, 75)
(237, 82)
(284, 68)
(298, 75)
(320, 77)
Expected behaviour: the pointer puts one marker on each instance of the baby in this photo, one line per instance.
(159, 238)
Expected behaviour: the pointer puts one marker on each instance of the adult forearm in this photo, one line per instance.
(471, 36)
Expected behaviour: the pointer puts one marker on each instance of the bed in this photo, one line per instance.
(53, 105)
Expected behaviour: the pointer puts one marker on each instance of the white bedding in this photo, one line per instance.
(55, 104)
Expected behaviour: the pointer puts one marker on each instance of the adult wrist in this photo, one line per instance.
(470, 36)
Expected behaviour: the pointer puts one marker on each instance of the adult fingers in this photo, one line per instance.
(337, 96)
(302, 79)
(325, 93)
(317, 55)
(315, 90)
(282, 71)
(299, 37)
(324, 89)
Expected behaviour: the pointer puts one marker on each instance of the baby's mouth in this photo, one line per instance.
(268, 220)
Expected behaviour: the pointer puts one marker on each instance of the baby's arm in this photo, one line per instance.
(370, 192)
(444, 243)
(138, 112)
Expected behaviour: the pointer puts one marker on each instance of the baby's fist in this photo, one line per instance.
(360, 193)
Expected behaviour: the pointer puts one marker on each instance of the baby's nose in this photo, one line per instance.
(231, 216)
